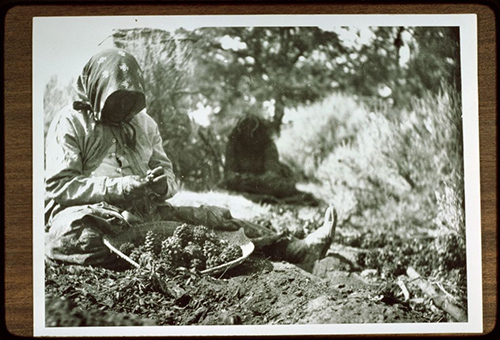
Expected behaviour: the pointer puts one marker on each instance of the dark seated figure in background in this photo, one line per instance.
(253, 166)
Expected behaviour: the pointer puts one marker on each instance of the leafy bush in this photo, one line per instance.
(316, 130)
(401, 165)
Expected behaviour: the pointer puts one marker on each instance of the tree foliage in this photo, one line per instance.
(266, 70)
(241, 69)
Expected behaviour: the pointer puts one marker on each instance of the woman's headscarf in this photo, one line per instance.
(105, 73)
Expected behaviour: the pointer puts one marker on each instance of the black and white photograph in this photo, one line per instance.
(256, 175)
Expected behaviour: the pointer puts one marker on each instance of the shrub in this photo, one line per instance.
(316, 130)
(404, 167)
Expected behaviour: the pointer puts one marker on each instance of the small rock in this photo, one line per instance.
(230, 319)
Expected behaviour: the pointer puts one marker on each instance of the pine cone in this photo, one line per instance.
(211, 249)
(172, 252)
(136, 254)
(184, 233)
(152, 244)
(213, 261)
(212, 237)
(230, 253)
(200, 234)
(194, 251)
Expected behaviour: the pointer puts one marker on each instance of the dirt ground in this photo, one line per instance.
(280, 293)
(256, 292)
(340, 288)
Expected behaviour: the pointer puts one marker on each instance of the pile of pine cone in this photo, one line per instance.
(192, 247)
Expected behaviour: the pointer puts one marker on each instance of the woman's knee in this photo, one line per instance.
(75, 242)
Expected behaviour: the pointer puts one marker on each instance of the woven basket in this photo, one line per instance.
(166, 229)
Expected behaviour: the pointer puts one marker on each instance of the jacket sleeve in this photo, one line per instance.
(64, 179)
(159, 158)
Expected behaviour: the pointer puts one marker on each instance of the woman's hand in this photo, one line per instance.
(157, 180)
(135, 187)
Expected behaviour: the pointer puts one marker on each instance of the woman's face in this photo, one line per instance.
(119, 107)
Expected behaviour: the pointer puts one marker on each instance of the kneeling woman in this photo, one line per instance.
(106, 170)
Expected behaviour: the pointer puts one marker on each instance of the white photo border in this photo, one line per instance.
(470, 109)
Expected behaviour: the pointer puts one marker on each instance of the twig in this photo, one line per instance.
(119, 253)
(97, 281)
(440, 286)
(224, 272)
(405, 291)
(439, 300)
